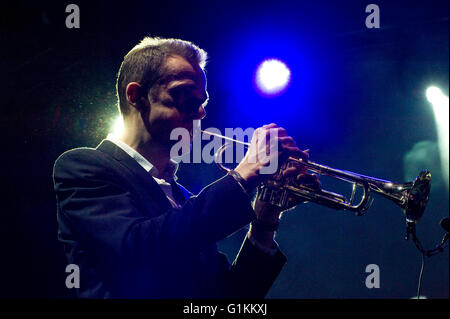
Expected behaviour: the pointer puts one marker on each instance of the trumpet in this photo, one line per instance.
(411, 197)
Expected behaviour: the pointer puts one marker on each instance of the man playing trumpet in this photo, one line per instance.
(131, 228)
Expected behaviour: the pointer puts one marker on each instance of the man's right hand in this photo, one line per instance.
(265, 152)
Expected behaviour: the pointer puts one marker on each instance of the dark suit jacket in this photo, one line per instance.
(117, 225)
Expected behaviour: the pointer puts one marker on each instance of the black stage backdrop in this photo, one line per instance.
(357, 100)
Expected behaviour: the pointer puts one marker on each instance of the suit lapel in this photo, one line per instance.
(178, 193)
(150, 186)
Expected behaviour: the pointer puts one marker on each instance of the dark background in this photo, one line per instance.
(357, 100)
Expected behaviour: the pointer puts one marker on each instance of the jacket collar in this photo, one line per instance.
(150, 187)
(168, 174)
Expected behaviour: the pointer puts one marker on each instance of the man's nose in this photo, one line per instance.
(201, 113)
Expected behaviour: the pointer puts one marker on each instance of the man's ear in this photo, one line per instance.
(135, 94)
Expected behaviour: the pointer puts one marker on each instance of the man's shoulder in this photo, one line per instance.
(77, 151)
(78, 154)
(81, 158)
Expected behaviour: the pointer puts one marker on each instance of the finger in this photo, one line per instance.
(309, 180)
(294, 171)
(291, 151)
(294, 151)
(273, 134)
(289, 171)
(271, 125)
(281, 131)
(262, 130)
(288, 140)
(304, 155)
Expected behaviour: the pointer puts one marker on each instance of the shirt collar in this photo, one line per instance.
(171, 169)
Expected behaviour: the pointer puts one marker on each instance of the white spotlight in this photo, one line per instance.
(436, 97)
(441, 112)
(272, 76)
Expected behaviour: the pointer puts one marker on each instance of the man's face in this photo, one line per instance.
(178, 101)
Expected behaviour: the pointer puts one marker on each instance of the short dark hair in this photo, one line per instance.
(143, 64)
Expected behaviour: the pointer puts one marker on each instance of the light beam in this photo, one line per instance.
(440, 104)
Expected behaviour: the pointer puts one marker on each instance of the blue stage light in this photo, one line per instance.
(272, 77)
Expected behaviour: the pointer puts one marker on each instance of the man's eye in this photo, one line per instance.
(184, 102)
(190, 105)
(177, 94)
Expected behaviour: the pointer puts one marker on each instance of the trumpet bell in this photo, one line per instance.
(418, 196)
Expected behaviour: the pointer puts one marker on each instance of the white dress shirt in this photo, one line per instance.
(168, 175)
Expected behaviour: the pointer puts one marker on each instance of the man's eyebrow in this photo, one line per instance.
(178, 76)
(203, 100)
